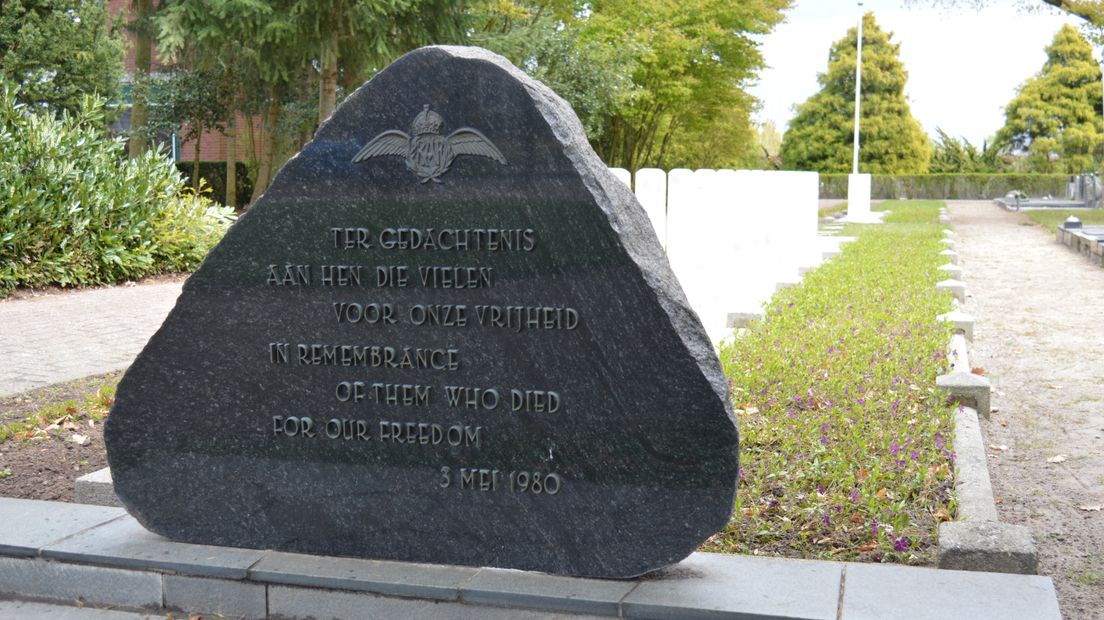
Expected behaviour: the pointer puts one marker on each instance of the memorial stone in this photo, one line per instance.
(445, 334)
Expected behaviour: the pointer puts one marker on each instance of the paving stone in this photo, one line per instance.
(58, 581)
(511, 588)
(29, 524)
(425, 581)
(24, 610)
(881, 591)
(707, 585)
(125, 543)
(285, 603)
(201, 595)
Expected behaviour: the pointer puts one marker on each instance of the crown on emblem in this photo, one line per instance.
(427, 122)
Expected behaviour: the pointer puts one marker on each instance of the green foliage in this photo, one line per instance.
(1055, 119)
(58, 51)
(845, 443)
(951, 155)
(212, 174)
(821, 135)
(980, 186)
(74, 211)
(62, 419)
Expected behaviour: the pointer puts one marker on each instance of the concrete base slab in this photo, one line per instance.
(956, 287)
(962, 321)
(967, 389)
(96, 488)
(987, 546)
(157, 576)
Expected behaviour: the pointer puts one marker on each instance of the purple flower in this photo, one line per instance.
(824, 440)
(901, 543)
(821, 489)
(825, 520)
(938, 441)
(774, 503)
(873, 527)
(914, 454)
(893, 448)
(854, 495)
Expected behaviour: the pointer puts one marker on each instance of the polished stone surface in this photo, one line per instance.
(298, 396)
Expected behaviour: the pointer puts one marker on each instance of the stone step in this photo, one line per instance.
(100, 557)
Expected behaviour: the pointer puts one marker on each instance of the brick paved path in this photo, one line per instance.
(64, 336)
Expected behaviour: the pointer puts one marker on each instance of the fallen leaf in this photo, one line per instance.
(1053, 386)
(882, 492)
(997, 499)
(823, 541)
(856, 518)
(863, 473)
(80, 440)
(942, 514)
(1004, 422)
(870, 546)
(1092, 508)
(751, 410)
(1061, 458)
(994, 410)
(1000, 448)
(748, 512)
(978, 370)
(70, 410)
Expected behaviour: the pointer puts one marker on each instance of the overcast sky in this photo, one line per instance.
(964, 65)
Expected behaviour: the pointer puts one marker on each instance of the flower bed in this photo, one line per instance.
(845, 444)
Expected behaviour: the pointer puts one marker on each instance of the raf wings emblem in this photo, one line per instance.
(428, 154)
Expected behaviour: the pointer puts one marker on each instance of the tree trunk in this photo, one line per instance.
(231, 163)
(268, 146)
(327, 83)
(195, 160)
(143, 57)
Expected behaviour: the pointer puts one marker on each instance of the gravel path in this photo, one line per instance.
(1040, 336)
(52, 338)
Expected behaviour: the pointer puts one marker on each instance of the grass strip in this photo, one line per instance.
(1051, 218)
(62, 419)
(845, 443)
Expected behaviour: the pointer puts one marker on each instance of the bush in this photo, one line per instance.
(75, 211)
(948, 186)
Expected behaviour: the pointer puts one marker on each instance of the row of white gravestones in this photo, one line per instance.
(732, 236)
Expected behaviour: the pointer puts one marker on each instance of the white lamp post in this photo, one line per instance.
(858, 185)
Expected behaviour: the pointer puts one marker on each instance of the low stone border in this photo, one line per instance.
(97, 556)
(1088, 241)
(976, 540)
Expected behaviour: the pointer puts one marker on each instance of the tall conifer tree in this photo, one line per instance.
(821, 136)
(1055, 120)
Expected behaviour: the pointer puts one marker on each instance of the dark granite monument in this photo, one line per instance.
(445, 334)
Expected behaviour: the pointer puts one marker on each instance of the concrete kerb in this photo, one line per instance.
(950, 255)
(956, 287)
(976, 540)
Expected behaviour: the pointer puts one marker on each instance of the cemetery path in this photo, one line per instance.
(55, 337)
(1038, 335)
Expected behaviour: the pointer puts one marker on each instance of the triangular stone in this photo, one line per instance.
(607, 446)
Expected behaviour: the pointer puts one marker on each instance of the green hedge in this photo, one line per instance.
(213, 174)
(948, 186)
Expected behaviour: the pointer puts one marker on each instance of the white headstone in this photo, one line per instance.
(858, 199)
(651, 191)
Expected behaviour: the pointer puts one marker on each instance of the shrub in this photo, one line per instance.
(75, 211)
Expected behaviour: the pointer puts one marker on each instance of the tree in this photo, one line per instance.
(59, 51)
(952, 155)
(289, 56)
(820, 136)
(1055, 119)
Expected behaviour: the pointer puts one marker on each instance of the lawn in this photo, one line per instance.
(1050, 219)
(845, 443)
